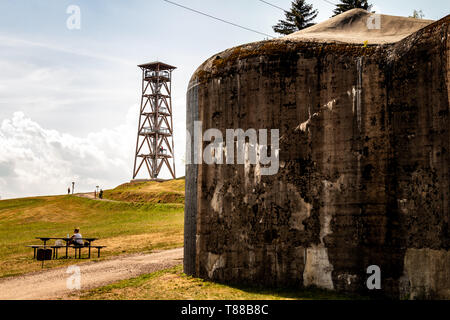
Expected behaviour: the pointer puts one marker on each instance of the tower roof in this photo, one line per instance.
(156, 65)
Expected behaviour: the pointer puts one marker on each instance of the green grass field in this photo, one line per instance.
(140, 220)
(124, 227)
(172, 284)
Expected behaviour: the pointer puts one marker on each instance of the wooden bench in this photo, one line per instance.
(98, 249)
(54, 248)
(78, 249)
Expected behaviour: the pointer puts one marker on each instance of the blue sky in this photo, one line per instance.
(69, 98)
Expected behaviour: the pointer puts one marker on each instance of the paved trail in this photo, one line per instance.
(52, 284)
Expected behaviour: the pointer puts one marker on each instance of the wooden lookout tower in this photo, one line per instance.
(154, 145)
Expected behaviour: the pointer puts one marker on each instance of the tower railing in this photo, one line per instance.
(157, 74)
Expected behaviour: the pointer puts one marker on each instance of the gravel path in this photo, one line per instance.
(91, 195)
(52, 284)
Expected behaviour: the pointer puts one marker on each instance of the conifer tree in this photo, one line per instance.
(299, 17)
(418, 14)
(346, 5)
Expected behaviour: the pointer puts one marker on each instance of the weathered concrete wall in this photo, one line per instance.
(418, 104)
(364, 159)
(190, 218)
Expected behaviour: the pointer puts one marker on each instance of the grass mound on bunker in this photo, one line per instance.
(171, 191)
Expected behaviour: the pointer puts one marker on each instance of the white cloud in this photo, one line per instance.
(82, 97)
(63, 91)
(37, 161)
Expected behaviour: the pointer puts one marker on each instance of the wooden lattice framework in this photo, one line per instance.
(154, 145)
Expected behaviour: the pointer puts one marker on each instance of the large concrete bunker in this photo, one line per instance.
(364, 153)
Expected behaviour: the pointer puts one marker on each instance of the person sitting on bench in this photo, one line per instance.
(76, 239)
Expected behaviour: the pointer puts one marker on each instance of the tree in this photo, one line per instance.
(299, 17)
(418, 14)
(346, 5)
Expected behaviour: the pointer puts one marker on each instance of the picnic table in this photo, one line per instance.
(67, 240)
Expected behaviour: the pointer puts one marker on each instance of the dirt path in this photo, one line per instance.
(91, 195)
(52, 284)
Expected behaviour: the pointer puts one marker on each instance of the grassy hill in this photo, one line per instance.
(171, 191)
(145, 216)
(142, 217)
